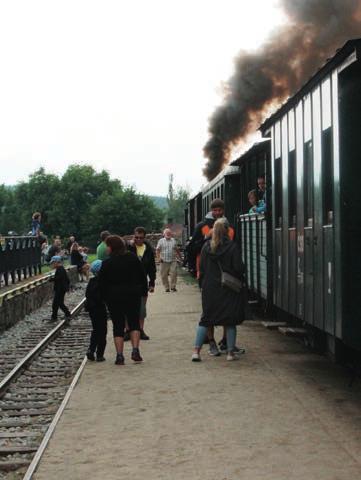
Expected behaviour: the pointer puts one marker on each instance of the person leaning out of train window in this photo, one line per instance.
(203, 231)
(257, 206)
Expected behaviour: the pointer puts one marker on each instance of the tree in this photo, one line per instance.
(81, 202)
(81, 187)
(7, 210)
(122, 211)
(177, 199)
(38, 194)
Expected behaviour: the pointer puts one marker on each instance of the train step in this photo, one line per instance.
(293, 332)
(274, 325)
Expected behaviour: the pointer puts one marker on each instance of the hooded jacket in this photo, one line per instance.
(201, 233)
(200, 236)
(94, 302)
(61, 280)
(221, 305)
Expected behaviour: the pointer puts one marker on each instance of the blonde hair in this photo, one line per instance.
(220, 229)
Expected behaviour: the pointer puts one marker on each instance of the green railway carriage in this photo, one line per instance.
(193, 213)
(225, 186)
(316, 201)
(253, 230)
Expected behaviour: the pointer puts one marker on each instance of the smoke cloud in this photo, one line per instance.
(316, 28)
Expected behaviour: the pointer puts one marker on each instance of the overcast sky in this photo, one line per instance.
(125, 86)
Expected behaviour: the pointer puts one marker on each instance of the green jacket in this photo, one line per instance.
(102, 251)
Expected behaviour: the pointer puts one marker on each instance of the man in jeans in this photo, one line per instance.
(167, 253)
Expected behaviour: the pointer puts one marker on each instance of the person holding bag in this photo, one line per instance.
(222, 284)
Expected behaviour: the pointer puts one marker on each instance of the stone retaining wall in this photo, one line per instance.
(24, 299)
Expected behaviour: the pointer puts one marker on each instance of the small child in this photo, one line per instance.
(98, 315)
(61, 286)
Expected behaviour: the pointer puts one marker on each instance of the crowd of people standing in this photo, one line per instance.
(124, 274)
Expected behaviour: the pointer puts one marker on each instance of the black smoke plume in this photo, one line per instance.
(316, 28)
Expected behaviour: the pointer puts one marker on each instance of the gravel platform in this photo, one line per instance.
(279, 413)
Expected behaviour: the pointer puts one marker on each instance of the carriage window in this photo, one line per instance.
(291, 131)
(307, 118)
(327, 176)
(222, 191)
(326, 104)
(277, 140)
(253, 176)
(261, 166)
(292, 189)
(308, 183)
(278, 192)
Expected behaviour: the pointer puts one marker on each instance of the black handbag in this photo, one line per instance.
(230, 281)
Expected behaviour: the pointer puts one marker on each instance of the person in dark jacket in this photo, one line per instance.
(203, 230)
(123, 283)
(220, 304)
(202, 233)
(97, 310)
(144, 251)
(61, 286)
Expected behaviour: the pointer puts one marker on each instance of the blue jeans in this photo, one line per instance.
(231, 333)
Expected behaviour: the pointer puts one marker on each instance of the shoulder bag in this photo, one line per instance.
(229, 281)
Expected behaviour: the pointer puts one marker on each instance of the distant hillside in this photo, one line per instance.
(160, 202)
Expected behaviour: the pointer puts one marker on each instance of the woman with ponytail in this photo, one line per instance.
(220, 304)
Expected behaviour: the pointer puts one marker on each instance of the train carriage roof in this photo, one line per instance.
(227, 171)
(344, 54)
(256, 148)
(193, 197)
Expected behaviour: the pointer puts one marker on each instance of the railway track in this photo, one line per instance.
(36, 390)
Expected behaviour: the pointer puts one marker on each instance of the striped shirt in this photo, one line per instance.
(167, 249)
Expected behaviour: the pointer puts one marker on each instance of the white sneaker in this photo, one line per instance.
(231, 357)
(196, 357)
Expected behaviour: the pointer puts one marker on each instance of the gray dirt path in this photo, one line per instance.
(279, 413)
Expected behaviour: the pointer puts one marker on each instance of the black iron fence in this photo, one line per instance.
(20, 257)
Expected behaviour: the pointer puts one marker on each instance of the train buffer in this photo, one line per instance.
(169, 418)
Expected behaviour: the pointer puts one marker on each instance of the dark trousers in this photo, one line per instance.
(98, 337)
(122, 310)
(58, 302)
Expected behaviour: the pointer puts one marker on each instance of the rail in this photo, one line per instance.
(16, 402)
(24, 362)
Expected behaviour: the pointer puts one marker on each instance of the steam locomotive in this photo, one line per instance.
(302, 256)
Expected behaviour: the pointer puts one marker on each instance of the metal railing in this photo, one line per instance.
(20, 258)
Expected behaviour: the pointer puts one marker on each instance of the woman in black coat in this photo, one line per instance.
(122, 283)
(220, 304)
